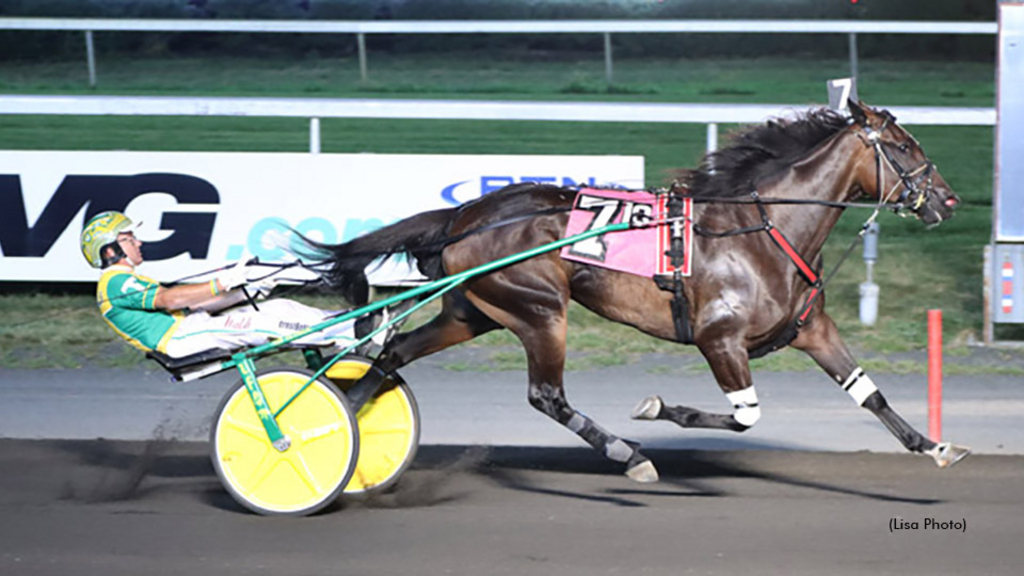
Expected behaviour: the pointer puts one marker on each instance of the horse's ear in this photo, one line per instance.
(858, 113)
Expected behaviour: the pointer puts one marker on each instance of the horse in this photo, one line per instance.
(789, 177)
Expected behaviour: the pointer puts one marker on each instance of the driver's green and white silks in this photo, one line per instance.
(247, 326)
(127, 301)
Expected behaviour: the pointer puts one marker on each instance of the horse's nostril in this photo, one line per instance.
(951, 202)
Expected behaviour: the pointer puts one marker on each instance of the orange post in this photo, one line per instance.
(935, 375)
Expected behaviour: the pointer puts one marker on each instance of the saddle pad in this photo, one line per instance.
(639, 251)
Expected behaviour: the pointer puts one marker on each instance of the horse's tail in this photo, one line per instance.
(344, 265)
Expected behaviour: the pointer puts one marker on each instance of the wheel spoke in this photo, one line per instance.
(251, 430)
(306, 474)
(262, 471)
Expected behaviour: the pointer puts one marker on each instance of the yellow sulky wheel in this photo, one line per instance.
(307, 476)
(389, 428)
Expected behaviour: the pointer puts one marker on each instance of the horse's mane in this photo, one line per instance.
(761, 151)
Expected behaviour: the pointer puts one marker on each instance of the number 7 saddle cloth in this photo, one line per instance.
(645, 249)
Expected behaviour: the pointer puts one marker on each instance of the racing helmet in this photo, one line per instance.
(100, 231)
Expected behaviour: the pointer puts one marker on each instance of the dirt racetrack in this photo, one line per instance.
(110, 508)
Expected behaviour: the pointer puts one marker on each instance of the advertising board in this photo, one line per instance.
(204, 210)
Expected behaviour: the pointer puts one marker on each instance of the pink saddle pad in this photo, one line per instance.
(639, 251)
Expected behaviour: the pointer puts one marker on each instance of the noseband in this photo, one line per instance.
(910, 180)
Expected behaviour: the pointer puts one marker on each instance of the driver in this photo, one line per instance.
(190, 318)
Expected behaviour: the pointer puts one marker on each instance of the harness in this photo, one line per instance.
(911, 184)
(810, 274)
(677, 255)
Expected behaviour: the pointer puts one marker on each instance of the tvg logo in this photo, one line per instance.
(459, 192)
(191, 231)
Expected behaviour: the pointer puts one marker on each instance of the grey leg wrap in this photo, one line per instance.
(694, 418)
(551, 401)
(610, 445)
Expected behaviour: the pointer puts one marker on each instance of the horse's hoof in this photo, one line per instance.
(644, 472)
(946, 454)
(648, 409)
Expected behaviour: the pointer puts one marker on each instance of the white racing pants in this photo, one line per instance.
(245, 327)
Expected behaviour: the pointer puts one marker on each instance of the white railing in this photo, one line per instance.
(502, 26)
(317, 108)
(605, 27)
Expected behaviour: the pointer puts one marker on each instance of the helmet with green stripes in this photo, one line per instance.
(100, 231)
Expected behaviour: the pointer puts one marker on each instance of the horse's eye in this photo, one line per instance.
(904, 147)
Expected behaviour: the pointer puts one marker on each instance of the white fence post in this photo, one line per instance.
(608, 57)
(853, 55)
(314, 135)
(90, 56)
(712, 137)
(361, 41)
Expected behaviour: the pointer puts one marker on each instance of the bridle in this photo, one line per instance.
(910, 180)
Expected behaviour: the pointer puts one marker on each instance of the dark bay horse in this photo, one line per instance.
(745, 297)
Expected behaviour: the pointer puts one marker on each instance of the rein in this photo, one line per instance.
(807, 272)
(797, 201)
(909, 180)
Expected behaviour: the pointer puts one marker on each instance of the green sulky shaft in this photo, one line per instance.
(243, 361)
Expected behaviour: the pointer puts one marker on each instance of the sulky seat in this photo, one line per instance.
(193, 366)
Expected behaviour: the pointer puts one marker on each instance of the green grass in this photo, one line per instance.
(44, 330)
(517, 76)
(919, 269)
